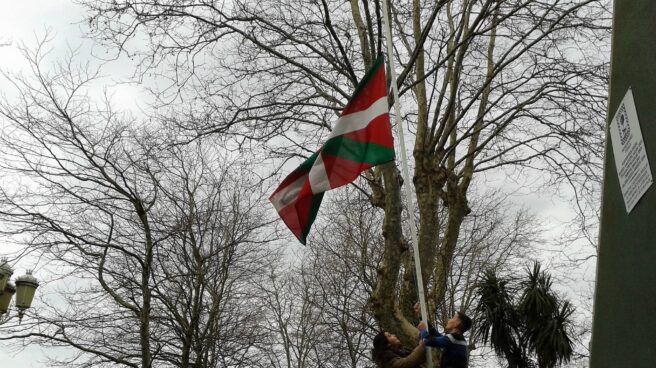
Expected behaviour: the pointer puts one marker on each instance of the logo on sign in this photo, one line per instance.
(623, 124)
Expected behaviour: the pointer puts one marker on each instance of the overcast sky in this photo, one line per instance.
(21, 21)
(24, 21)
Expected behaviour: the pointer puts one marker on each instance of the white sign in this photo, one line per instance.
(630, 154)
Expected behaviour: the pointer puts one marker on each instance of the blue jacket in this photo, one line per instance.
(454, 348)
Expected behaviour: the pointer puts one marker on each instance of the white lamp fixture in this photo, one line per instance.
(24, 289)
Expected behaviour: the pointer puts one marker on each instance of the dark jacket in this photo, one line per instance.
(403, 358)
(454, 348)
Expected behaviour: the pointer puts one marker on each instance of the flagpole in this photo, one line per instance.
(406, 176)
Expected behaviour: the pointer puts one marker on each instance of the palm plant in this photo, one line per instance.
(524, 320)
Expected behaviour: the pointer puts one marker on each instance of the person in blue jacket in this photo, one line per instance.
(453, 344)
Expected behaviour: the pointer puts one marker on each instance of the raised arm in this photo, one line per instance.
(439, 341)
(432, 331)
(432, 339)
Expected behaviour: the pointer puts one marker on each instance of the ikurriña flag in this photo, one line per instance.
(361, 139)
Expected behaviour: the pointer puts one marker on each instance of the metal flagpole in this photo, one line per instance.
(406, 177)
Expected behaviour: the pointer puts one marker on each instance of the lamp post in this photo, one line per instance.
(24, 289)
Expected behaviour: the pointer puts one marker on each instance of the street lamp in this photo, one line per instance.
(24, 288)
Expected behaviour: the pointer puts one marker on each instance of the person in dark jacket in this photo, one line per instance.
(388, 352)
(453, 344)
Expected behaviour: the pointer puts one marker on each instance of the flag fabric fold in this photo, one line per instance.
(361, 139)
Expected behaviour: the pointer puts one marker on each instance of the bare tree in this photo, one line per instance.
(342, 270)
(317, 311)
(156, 244)
(494, 236)
(291, 320)
(206, 267)
(338, 273)
(484, 84)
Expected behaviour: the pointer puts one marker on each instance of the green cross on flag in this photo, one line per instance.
(361, 139)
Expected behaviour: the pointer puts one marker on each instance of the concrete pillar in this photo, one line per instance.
(624, 323)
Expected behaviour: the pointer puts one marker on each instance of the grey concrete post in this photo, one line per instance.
(624, 322)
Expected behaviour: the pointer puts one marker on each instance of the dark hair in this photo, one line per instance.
(465, 322)
(380, 346)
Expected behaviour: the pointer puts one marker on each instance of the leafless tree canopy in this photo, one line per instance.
(163, 218)
(162, 243)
